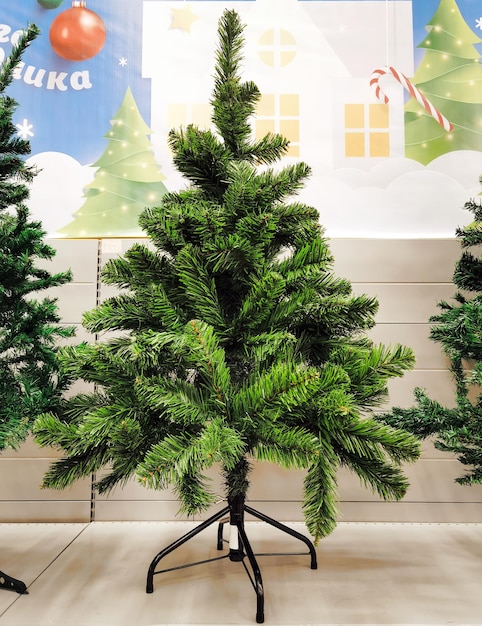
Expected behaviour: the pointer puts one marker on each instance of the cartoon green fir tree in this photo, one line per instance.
(234, 341)
(458, 328)
(127, 180)
(29, 327)
(450, 76)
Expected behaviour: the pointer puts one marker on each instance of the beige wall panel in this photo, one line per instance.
(281, 511)
(138, 510)
(359, 260)
(29, 450)
(431, 480)
(133, 491)
(73, 299)
(112, 248)
(268, 482)
(286, 511)
(271, 482)
(80, 335)
(78, 255)
(406, 303)
(37, 511)
(429, 451)
(79, 386)
(438, 512)
(428, 353)
(380, 511)
(437, 383)
(150, 511)
(21, 479)
(396, 260)
(108, 291)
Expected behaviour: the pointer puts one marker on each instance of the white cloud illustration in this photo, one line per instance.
(56, 191)
(398, 198)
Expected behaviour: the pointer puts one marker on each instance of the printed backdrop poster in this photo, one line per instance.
(382, 98)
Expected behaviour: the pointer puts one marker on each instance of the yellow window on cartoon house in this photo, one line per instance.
(181, 114)
(280, 114)
(277, 48)
(367, 130)
(275, 114)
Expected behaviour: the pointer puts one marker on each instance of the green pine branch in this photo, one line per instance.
(457, 328)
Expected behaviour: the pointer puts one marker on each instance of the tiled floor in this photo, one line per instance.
(95, 575)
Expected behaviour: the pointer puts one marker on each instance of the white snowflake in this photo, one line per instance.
(478, 23)
(24, 129)
(122, 61)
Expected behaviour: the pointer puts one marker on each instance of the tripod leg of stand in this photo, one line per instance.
(285, 529)
(178, 543)
(7, 582)
(258, 581)
(219, 544)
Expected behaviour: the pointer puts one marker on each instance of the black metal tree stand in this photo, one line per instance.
(7, 582)
(239, 546)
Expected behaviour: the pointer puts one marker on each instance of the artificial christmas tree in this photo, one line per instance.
(29, 328)
(233, 340)
(458, 328)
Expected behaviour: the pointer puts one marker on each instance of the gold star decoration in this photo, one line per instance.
(183, 19)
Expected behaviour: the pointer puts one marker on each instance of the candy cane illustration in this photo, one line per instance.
(412, 90)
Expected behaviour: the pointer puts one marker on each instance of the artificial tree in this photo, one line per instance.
(458, 328)
(29, 328)
(231, 339)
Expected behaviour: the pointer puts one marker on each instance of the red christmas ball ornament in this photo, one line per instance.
(77, 34)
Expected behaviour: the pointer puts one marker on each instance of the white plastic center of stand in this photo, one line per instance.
(233, 537)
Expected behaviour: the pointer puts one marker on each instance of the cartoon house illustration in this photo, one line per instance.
(311, 61)
(369, 130)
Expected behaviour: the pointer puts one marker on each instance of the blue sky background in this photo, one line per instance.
(75, 122)
(423, 11)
